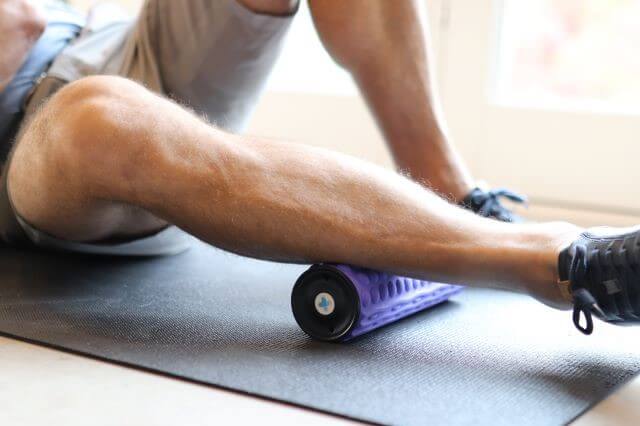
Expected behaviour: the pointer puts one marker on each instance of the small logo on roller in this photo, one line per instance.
(324, 303)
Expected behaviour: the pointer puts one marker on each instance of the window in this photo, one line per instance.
(542, 96)
(569, 54)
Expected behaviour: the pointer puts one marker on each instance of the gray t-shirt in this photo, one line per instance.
(63, 25)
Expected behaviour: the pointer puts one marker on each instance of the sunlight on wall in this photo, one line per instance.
(304, 65)
(570, 53)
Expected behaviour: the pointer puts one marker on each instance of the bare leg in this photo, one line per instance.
(104, 147)
(384, 45)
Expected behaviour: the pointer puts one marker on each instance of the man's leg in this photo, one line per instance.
(384, 44)
(104, 148)
(211, 55)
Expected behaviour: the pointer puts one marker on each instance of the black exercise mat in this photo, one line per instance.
(484, 358)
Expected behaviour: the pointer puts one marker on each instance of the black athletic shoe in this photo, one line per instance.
(487, 204)
(601, 272)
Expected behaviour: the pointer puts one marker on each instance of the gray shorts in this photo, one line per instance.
(212, 56)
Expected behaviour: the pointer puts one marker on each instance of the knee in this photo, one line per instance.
(84, 135)
(91, 115)
(271, 7)
(88, 123)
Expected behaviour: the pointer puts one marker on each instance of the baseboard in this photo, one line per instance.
(579, 216)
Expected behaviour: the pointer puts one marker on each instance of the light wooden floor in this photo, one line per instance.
(44, 386)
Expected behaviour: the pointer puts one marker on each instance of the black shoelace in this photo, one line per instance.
(583, 301)
(487, 203)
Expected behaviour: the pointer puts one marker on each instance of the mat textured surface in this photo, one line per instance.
(483, 358)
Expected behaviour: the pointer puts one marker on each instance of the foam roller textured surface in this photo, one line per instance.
(385, 298)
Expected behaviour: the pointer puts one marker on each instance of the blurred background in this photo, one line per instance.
(541, 96)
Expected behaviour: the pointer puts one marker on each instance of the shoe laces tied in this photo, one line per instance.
(489, 201)
(583, 301)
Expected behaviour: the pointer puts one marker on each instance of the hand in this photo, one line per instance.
(21, 24)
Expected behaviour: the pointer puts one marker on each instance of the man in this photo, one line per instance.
(102, 164)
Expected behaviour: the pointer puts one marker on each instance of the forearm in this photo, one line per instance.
(21, 24)
(384, 44)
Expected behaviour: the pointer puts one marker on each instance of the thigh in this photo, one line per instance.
(46, 203)
(213, 56)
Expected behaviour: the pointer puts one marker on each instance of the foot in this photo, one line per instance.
(600, 272)
(487, 204)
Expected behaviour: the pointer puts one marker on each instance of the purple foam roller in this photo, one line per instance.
(339, 302)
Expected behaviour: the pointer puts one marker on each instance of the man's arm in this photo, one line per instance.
(384, 45)
(21, 24)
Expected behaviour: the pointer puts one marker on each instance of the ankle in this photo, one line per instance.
(545, 285)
